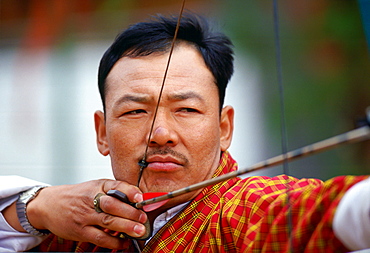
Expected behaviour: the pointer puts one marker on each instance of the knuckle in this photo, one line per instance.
(100, 183)
(110, 185)
(106, 220)
(99, 239)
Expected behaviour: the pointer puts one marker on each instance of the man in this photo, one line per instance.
(191, 134)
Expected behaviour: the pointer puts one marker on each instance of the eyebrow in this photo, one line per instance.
(132, 98)
(145, 98)
(185, 95)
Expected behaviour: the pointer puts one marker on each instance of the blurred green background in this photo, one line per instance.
(50, 49)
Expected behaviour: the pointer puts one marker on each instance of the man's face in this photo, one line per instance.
(189, 133)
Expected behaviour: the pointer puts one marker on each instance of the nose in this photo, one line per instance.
(163, 132)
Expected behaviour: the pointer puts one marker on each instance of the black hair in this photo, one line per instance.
(145, 38)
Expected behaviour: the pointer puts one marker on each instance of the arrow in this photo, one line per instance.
(153, 201)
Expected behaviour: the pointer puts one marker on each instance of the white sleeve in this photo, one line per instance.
(351, 222)
(12, 240)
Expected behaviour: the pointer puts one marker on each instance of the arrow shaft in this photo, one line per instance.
(356, 135)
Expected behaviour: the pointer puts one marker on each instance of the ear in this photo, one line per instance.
(226, 127)
(101, 133)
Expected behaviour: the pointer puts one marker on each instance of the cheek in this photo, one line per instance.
(124, 138)
(205, 140)
(125, 150)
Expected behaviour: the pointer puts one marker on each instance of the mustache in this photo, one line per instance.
(167, 151)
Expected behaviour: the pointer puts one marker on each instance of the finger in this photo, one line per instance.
(129, 227)
(118, 208)
(104, 238)
(133, 193)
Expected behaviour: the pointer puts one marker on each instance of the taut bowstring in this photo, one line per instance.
(284, 141)
(143, 163)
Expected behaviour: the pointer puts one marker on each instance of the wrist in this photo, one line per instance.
(28, 218)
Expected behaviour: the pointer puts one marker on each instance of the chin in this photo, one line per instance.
(163, 189)
(162, 186)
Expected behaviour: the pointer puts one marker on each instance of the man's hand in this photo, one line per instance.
(68, 211)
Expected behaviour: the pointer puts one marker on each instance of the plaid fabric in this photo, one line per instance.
(246, 215)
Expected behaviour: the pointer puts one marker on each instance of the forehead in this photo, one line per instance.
(187, 71)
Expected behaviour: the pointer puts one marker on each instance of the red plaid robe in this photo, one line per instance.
(246, 215)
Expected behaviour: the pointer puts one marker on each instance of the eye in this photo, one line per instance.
(135, 112)
(188, 110)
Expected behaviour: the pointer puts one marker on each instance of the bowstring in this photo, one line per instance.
(143, 164)
(284, 141)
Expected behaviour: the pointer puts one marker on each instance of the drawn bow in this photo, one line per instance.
(154, 200)
(360, 134)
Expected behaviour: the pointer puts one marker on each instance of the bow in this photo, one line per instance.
(358, 135)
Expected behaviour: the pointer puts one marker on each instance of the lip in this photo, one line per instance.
(163, 163)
